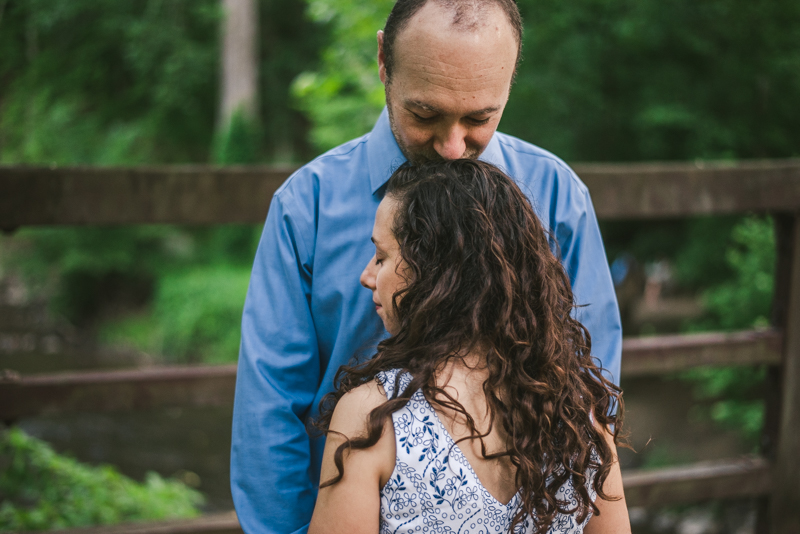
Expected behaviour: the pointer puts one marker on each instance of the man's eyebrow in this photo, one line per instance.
(434, 109)
(423, 105)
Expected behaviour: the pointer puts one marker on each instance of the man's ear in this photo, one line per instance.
(381, 59)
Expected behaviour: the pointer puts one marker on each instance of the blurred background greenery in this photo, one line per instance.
(42, 490)
(129, 83)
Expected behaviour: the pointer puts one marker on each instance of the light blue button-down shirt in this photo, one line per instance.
(306, 313)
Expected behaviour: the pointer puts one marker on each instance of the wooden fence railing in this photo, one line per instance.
(208, 195)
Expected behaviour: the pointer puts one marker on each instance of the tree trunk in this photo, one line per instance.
(239, 60)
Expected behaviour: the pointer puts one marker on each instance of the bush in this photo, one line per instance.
(743, 301)
(196, 316)
(40, 490)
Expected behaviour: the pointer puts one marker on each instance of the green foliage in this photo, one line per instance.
(136, 82)
(731, 397)
(41, 490)
(88, 269)
(617, 81)
(200, 312)
(742, 301)
(700, 259)
(238, 143)
(344, 98)
(175, 293)
(108, 83)
(196, 316)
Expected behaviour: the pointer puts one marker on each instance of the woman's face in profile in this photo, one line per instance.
(383, 275)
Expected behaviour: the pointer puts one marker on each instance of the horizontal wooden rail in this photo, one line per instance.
(211, 195)
(721, 479)
(745, 477)
(159, 387)
(664, 354)
(659, 190)
(136, 195)
(113, 391)
(221, 523)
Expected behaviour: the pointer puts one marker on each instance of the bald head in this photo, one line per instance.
(453, 15)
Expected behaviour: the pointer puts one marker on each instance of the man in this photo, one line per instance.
(447, 67)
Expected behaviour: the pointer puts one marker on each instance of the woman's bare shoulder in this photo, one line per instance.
(352, 411)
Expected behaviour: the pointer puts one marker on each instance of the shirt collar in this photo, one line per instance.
(384, 155)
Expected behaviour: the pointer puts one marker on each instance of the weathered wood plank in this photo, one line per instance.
(136, 195)
(784, 234)
(660, 190)
(211, 195)
(112, 391)
(785, 516)
(664, 354)
(723, 479)
(156, 387)
(221, 523)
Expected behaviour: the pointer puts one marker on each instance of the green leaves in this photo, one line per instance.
(42, 490)
(344, 97)
(108, 83)
(209, 328)
(744, 301)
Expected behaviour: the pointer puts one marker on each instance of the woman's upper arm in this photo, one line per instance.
(352, 505)
(613, 516)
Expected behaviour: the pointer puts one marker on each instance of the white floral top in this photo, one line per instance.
(434, 489)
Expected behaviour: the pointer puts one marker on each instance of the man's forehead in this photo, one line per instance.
(430, 50)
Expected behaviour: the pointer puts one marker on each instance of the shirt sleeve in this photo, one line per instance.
(277, 379)
(584, 258)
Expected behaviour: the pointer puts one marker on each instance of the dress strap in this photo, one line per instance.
(389, 381)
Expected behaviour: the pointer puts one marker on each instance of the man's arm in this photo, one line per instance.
(584, 258)
(277, 379)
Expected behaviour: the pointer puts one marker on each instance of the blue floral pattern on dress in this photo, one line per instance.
(433, 487)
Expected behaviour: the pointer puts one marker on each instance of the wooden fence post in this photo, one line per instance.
(784, 237)
(786, 477)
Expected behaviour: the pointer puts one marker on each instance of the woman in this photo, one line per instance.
(483, 412)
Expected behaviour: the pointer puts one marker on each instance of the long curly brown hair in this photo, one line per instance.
(482, 277)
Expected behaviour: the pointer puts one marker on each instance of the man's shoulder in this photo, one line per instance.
(331, 165)
(525, 160)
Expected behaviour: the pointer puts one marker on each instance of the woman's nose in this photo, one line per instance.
(367, 276)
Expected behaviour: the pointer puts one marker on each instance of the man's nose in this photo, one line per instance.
(367, 278)
(451, 142)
